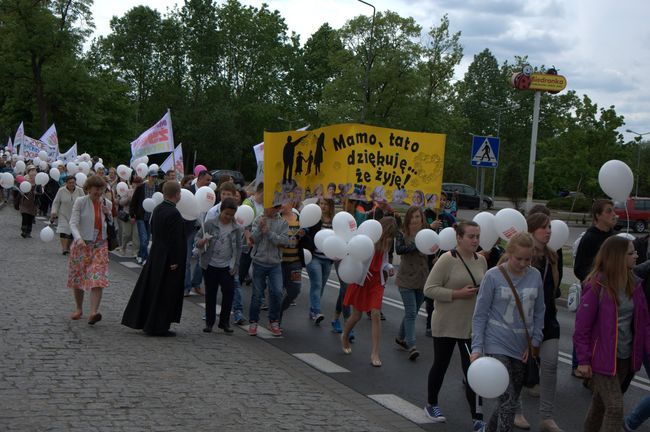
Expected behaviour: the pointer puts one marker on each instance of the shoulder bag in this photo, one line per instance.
(531, 378)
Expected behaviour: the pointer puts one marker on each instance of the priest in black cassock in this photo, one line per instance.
(157, 299)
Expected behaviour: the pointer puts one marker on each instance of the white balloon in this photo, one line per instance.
(508, 222)
(158, 197)
(244, 215)
(6, 180)
(335, 248)
(371, 228)
(361, 247)
(145, 159)
(148, 204)
(42, 155)
(344, 225)
(55, 174)
(47, 234)
(427, 241)
(81, 179)
(100, 160)
(85, 157)
(142, 170)
(205, 198)
(489, 235)
(43, 166)
(122, 188)
(99, 167)
(188, 206)
(447, 239)
(25, 187)
(616, 179)
(19, 168)
(154, 167)
(213, 186)
(559, 234)
(350, 270)
(84, 167)
(72, 168)
(124, 172)
(307, 256)
(310, 215)
(42, 179)
(627, 236)
(320, 237)
(488, 377)
(36, 161)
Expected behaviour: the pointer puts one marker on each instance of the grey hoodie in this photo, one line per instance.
(266, 247)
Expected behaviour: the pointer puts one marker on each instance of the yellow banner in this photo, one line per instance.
(353, 161)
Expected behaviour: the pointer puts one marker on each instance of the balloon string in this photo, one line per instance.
(627, 216)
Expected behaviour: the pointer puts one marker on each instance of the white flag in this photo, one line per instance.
(51, 139)
(20, 135)
(10, 146)
(178, 159)
(157, 139)
(68, 156)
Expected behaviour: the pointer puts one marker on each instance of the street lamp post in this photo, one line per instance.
(499, 110)
(638, 157)
(290, 121)
(366, 89)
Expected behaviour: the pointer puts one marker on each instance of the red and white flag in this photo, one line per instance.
(157, 139)
(175, 161)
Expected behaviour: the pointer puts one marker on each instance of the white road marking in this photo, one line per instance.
(402, 407)
(320, 363)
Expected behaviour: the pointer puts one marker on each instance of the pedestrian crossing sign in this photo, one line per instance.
(485, 151)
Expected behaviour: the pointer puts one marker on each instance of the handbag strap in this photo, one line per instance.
(518, 302)
(455, 253)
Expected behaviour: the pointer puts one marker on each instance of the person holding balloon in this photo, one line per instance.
(28, 205)
(62, 210)
(612, 332)
(508, 322)
(367, 295)
(411, 276)
(453, 284)
(292, 260)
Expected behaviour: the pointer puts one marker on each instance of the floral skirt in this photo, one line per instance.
(88, 266)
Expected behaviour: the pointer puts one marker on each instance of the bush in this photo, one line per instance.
(582, 205)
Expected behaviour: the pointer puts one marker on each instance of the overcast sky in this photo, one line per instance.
(602, 47)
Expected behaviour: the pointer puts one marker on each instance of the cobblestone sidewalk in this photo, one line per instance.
(57, 374)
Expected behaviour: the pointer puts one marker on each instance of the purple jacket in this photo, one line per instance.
(596, 330)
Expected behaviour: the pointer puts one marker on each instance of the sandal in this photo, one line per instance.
(375, 363)
(95, 318)
(76, 315)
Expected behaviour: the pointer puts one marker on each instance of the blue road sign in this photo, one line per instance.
(485, 151)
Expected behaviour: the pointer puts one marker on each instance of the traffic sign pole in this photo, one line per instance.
(533, 152)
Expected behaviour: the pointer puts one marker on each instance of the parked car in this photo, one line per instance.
(467, 196)
(638, 210)
(236, 176)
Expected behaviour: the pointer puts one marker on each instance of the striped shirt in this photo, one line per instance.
(290, 251)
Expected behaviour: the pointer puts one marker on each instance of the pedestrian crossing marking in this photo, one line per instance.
(320, 363)
(402, 407)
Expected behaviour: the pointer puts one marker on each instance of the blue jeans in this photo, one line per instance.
(412, 299)
(143, 235)
(639, 414)
(318, 270)
(193, 277)
(274, 274)
(237, 305)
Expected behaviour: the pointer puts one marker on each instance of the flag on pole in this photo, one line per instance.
(20, 135)
(177, 158)
(31, 147)
(157, 139)
(68, 156)
(51, 140)
(10, 146)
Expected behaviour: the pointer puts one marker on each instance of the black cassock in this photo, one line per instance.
(157, 299)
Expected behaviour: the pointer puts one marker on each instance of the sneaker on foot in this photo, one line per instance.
(275, 328)
(336, 326)
(413, 354)
(318, 318)
(549, 425)
(402, 343)
(434, 413)
(478, 425)
(239, 318)
(252, 329)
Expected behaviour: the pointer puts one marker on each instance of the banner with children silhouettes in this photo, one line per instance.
(353, 161)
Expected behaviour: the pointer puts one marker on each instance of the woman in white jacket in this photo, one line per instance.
(62, 210)
(88, 264)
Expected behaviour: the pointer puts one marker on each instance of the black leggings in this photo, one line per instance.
(443, 349)
(27, 223)
(215, 277)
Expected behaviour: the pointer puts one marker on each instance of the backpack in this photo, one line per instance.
(573, 297)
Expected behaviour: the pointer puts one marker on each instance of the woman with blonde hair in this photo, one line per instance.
(612, 332)
(508, 322)
(453, 284)
(88, 264)
(367, 295)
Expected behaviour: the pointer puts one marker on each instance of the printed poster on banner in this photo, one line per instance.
(68, 156)
(51, 139)
(20, 135)
(354, 161)
(31, 147)
(178, 158)
(157, 139)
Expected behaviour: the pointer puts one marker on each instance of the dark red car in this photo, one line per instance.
(638, 211)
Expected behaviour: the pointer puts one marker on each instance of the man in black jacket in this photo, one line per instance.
(604, 220)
